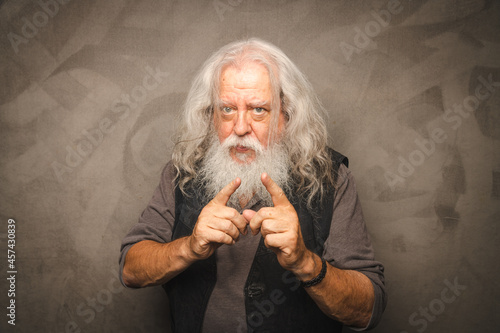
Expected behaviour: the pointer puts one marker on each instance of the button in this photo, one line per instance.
(255, 290)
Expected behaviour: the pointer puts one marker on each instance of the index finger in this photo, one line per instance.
(223, 196)
(277, 194)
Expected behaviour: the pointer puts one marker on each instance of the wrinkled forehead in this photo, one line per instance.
(251, 81)
(252, 76)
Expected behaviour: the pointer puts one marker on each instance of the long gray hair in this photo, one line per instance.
(304, 136)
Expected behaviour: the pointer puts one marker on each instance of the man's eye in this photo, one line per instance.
(259, 110)
(227, 109)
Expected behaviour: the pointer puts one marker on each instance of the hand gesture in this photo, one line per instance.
(217, 224)
(279, 225)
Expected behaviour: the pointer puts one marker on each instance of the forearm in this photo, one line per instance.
(344, 295)
(149, 263)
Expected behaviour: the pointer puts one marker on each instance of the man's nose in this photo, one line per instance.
(242, 124)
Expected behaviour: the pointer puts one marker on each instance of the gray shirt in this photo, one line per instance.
(348, 246)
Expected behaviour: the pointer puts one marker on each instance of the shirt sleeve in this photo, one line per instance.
(348, 245)
(157, 220)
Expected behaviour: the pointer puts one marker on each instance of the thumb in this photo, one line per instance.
(248, 214)
(223, 196)
(277, 194)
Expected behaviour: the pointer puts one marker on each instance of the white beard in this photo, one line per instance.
(219, 169)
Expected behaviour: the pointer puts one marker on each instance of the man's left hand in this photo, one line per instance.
(279, 225)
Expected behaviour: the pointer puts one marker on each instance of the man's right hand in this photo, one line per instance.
(217, 224)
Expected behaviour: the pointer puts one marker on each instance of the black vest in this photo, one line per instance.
(274, 300)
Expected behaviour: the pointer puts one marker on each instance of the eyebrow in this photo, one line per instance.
(255, 104)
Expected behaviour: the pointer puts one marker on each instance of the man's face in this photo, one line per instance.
(245, 110)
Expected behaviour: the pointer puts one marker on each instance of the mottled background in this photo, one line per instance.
(89, 98)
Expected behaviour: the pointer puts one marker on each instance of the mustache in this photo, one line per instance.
(246, 141)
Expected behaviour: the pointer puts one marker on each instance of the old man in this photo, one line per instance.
(256, 224)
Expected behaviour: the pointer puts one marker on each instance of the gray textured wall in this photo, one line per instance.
(90, 91)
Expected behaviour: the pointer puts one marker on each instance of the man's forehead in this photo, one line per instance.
(248, 83)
